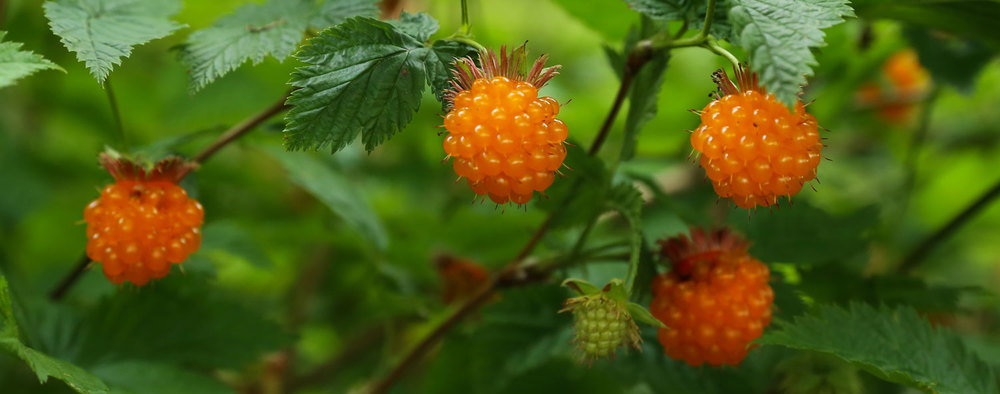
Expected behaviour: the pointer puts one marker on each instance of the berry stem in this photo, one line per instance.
(466, 27)
(67, 282)
(115, 112)
(923, 249)
(714, 46)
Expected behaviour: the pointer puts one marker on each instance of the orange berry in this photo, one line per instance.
(461, 278)
(747, 138)
(142, 224)
(504, 138)
(715, 301)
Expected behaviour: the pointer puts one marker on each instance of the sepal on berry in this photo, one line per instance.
(133, 168)
(508, 65)
(684, 252)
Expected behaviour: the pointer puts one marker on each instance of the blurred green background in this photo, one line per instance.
(267, 239)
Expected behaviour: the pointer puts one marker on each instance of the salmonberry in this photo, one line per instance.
(461, 278)
(602, 322)
(143, 223)
(902, 82)
(753, 148)
(504, 138)
(715, 301)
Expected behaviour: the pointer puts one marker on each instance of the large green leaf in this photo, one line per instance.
(43, 365)
(16, 64)
(419, 26)
(361, 77)
(670, 10)
(971, 19)
(779, 36)
(334, 12)
(102, 32)
(336, 191)
(802, 234)
(893, 344)
(146, 377)
(252, 33)
(181, 320)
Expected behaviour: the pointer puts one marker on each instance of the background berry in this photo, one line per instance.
(753, 148)
(716, 305)
(138, 229)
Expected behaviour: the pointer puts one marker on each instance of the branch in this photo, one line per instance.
(70, 279)
(915, 257)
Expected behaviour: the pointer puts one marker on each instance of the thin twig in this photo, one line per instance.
(923, 249)
(70, 279)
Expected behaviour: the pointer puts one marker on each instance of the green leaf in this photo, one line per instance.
(16, 64)
(147, 377)
(102, 32)
(890, 290)
(972, 19)
(419, 26)
(641, 314)
(893, 344)
(668, 10)
(440, 65)
(950, 60)
(181, 320)
(778, 35)
(361, 77)
(43, 365)
(229, 237)
(251, 33)
(335, 12)
(336, 191)
(802, 234)
(643, 98)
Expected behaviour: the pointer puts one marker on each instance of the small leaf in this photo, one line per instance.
(16, 64)
(361, 77)
(334, 190)
(102, 32)
(335, 12)
(43, 365)
(779, 35)
(419, 26)
(252, 33)
(804, 235)
(893, 344)
(581, 286)
(641, 314)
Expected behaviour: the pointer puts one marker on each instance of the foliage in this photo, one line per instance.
(328, 273)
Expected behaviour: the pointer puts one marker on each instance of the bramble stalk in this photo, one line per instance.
(923, 249)
(466, 27)
(115, 112)
(229, 136)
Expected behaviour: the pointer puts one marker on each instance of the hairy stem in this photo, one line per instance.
(923, 249)
(115, 112)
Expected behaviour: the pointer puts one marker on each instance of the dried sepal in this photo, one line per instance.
(506, 64)
(123, 168)
(683, 251)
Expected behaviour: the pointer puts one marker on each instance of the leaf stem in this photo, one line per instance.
(922, 250)
(713, 46)
(115, 112)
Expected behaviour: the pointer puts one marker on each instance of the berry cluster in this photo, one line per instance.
(141, 224)
(752, 147)
(505, 140)
(715, 301)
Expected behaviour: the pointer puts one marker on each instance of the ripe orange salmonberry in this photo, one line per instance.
(143, 223)
(902, 82)
(753, 148)
(504, 138)
(461, 278)
(715, 301)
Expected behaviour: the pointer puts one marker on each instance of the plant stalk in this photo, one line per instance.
(115, 112)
